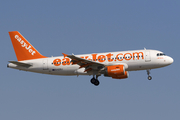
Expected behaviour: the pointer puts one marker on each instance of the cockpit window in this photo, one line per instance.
(161, 54)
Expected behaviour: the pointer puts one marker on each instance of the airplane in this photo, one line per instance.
(110, 64)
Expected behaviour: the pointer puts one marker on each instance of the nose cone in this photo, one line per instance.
(170, 60)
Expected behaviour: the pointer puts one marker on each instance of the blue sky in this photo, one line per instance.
(82, 26)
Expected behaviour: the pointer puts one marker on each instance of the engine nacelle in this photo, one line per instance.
(121, 76)
(116, 72)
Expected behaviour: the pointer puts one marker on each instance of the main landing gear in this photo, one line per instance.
(148, 73)
(95, 81)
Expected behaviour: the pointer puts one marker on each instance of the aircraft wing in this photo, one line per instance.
(87, 64)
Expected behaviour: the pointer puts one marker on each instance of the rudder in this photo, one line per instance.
(23, 49)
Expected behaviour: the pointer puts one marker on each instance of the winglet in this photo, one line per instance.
(65, 55)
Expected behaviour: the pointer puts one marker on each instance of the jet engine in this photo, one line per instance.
(116, 72)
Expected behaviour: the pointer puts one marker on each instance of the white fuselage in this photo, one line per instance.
(132, 60)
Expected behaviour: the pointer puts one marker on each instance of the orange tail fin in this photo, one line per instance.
(23, 49)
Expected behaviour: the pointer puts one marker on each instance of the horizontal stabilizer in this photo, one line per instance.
(21, 64)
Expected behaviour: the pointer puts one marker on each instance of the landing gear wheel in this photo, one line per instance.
(149, 77)
(95, 81)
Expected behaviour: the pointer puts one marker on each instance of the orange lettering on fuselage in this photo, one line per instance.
(119, 58)
(102, 58)
(57, 62)
(66, 61)
(138, 55)
(94, 57)
(109, 57)
(87, 57)
(127, 56)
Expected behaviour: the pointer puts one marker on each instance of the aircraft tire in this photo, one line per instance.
(96, 83)
(93, 80)
(149, 77)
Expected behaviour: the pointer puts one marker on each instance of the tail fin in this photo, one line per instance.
(23, 49)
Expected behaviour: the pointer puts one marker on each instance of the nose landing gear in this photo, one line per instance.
(148, 73)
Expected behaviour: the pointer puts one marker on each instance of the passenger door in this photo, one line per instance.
(147, 56)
